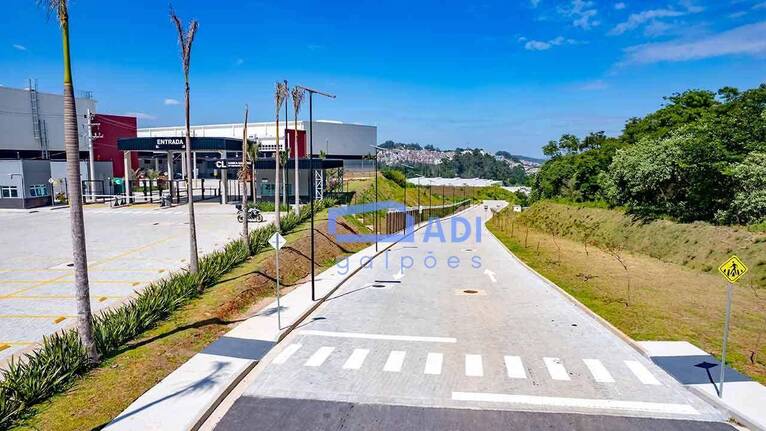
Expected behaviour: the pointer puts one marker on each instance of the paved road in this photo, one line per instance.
(127, 248)
(411, 349)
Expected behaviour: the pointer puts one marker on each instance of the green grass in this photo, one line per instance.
(699, 246)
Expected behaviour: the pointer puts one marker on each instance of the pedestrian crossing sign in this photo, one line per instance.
(733, 269)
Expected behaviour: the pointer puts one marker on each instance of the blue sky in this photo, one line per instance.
(498, 75)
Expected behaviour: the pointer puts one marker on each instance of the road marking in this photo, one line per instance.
(473, 366)
(379, 336)
(642, 373)
(399, 275)
(285, 354)
(434, 363)
(355, 361)
(515, 368)
(491, 275)
(556, 369)
(319, 356)
(598, 370)
(584, 403)
(395, 361)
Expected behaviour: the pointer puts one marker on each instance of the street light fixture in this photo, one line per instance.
(312, 193)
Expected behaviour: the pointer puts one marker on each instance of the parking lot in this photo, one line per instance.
(127, 249)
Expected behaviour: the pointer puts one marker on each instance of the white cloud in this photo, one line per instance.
(619, 6)
(759, 6)
(534, 3)
(239, 61)
(582, 13)
(541, 45)
(637, 19)
(736, 15)
(19, 47)
(141, 115)
(594, 85)
(171, 102)
(744, 40)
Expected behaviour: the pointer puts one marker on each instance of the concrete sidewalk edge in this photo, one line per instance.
(631, 342)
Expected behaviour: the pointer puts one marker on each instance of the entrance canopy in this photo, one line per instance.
(176, 143)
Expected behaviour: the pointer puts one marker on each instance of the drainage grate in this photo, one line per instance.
(470, 291)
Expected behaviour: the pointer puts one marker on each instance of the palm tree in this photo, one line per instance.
(279, 96)
(77, 223)
(243, 181)
(297, 99)
(185, 40)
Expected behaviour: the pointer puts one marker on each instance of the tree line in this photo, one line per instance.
(701, 156)
(470, 163)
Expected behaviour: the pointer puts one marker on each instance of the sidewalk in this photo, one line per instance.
(743, 398)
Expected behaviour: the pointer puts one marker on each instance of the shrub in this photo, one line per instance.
(54, 365)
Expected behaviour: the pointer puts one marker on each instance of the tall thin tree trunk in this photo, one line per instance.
(77, 223)
(297, 181)
(193, 257)
(243, 182)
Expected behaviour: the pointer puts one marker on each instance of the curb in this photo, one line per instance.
(630, 341)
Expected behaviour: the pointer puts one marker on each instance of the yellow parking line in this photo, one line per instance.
(59, 319)
(54, 297)
(109, 259)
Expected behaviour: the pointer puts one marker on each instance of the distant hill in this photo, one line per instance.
(528, 159)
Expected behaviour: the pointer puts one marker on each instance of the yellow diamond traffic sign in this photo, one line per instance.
(733, 269)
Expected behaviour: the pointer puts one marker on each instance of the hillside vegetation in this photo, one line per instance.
(699, 246)
(702, 156)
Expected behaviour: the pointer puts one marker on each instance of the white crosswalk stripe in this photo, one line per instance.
(514, 367)
(643, 375)
(474, 366)
(355, 361)
(395, 361)
(319, 356)
(284, 355)
(434, 363)
(556, 369)
(598, 370)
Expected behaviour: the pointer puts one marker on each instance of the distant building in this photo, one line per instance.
(453, 182)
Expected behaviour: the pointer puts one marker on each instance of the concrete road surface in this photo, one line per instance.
(459, 335)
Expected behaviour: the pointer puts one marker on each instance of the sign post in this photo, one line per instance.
(732, 270)
(277, 241)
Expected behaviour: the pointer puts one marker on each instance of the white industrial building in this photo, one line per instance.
(333, 139)
(32, 154)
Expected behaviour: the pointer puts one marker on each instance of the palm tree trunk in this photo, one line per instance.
(243, 182)
(77, 223)
(193, 257)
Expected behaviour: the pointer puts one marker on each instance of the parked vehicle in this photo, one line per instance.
(253, 214)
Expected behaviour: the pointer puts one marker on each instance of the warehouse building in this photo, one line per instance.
(32, 154)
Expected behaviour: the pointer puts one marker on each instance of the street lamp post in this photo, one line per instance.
(376, 195)
(405, 184)
(311, 174)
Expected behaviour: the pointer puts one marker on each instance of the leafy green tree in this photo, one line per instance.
(749, 203)
(681, 176)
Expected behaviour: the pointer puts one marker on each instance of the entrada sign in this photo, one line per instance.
(169, 143)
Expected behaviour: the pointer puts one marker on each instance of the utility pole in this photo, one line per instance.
(312, 190)
(91, 163)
